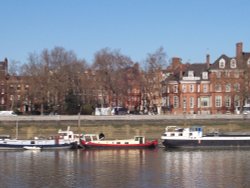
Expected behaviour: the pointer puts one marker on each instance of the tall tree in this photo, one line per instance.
(110, 66)
(153, 77)
(54, 73)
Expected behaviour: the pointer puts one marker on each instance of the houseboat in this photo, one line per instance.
(63, 140)
(99, 141)
(193, 137)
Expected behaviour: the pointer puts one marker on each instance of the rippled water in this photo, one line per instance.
(125, 168)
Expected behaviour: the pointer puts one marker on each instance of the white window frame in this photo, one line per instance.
(227, 101)
(205, 102)
(184, 88)
(233, 63)
(184, 102)
(191, 88)
(176, 102)
(205, 88)
(218, 101)
(205, 75)
(228, 87)
(191, 102)
(175, 88)
(222, 63)
(236, 100)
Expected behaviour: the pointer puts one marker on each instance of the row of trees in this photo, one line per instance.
(61, 82)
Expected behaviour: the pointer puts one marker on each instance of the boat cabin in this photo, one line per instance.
(100, 139)
(5, 137)
(192, 132)
(69, 135)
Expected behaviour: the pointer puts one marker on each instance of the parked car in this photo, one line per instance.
(119, 111)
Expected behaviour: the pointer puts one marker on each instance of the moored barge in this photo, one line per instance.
(193, 137)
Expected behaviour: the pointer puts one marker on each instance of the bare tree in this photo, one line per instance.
(152, 84)
(110, 66)
(51, 75)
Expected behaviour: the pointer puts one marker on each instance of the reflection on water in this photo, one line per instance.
(125, 168)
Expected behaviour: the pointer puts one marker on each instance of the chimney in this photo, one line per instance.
(176, 61)
(239, 47)
(208, 61)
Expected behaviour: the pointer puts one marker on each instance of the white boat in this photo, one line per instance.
(63, 140)
(32, 148)
(193, 137)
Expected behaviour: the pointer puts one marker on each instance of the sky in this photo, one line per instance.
(188, 29)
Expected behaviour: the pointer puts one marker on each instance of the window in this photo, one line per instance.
(190, 73)
(222, 63)
(227, 101)
(236, 100)
(248, 61)
(204, 101)
(217, 88)
(184, 88)
(236, 87)
(228, 87)
(191, 102)
(233, 63)
(2, 100)
(218, 101)
(205, 75)
(175, 88)
(191, 88)
(176, 101)
(198, 88)
(205, 88)
(198, 102)
(227, 74)
(218, 74)
(184, 103)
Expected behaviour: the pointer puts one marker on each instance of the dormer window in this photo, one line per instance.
(205, 75)
(190, 73)
(233, 63)
(248, 62)
(222, 63)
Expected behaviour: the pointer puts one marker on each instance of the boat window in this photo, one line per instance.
(118, 142)
(126, 142)
(32, 142)
(94, 137)
(87, 138)
(190, 134)
(180, 134)
(172, 134)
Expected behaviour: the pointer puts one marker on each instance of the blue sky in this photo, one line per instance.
(188, 29)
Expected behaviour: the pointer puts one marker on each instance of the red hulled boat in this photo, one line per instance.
(99, 141)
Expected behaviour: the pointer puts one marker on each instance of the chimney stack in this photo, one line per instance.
(208, 61)
(239, 50)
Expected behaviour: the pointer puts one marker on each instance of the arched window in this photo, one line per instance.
(233, 63)
(222, 63)
(248, 62)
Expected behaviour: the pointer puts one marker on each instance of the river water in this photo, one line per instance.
(125, 168)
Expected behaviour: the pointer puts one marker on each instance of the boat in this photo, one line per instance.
(99, 141)
(193, 137)
(32, 148)
(63, 140)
